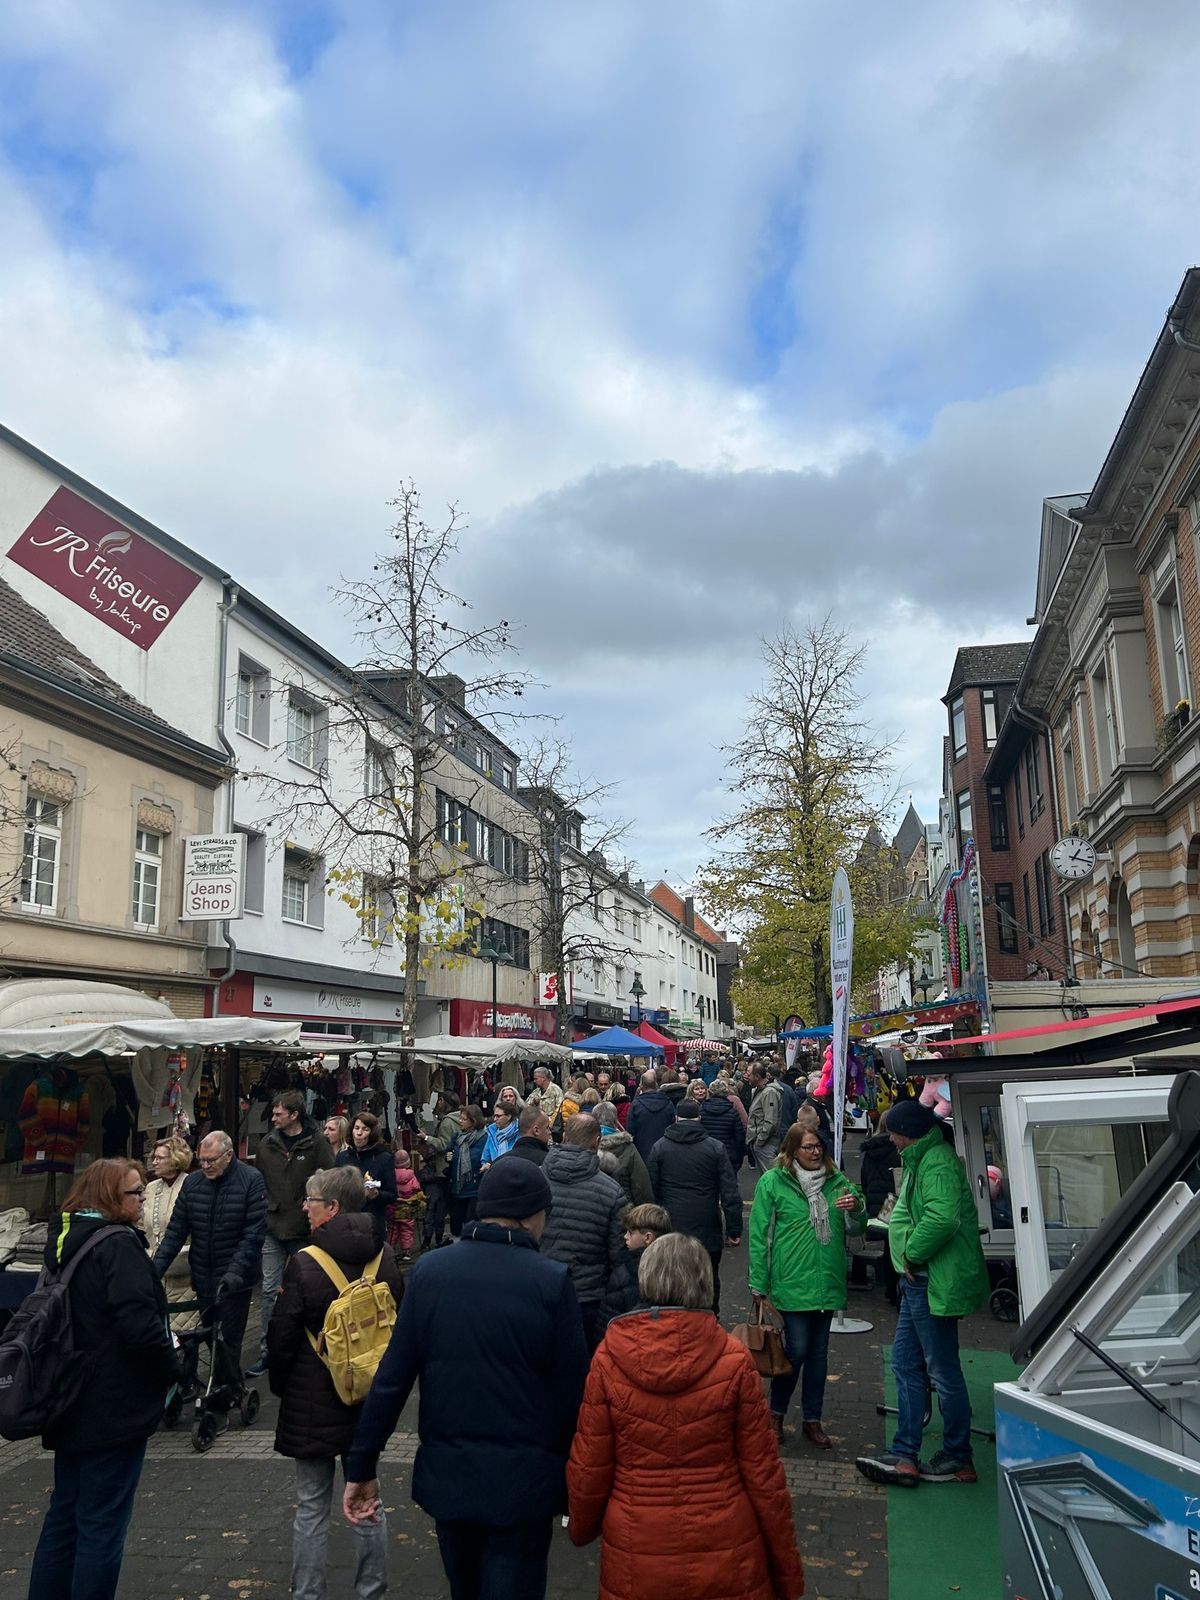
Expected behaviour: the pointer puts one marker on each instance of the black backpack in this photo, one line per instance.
(41, 1372)
(789, 1104)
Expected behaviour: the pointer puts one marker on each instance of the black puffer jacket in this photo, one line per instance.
(622, 1293)
(374, 1162)
(721, 1122)
(879, 1156)
(226, 1220)
(286, 1166)
(119, 1318)
(312, 1420)
(694, 1181)
(650, 1115)
(583, 1229)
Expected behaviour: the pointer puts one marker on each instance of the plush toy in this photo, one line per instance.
(936, 1095)
(995, 1181)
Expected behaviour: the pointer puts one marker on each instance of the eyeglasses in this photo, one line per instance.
(315, 1200)
(812, 1149)
(212, 1161)
(140, 1190)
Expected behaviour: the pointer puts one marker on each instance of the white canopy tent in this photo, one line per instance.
(480, 1051)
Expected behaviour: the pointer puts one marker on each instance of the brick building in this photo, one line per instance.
(1113, 669)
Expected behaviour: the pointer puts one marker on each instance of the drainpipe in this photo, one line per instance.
(1032, 720)
(1175, 328)
(229, 598)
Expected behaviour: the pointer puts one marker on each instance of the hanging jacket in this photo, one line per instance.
(694, 1182)
(313, 1421)
(720, 1121)
(650, 1115)
(934, 1227)
(787, 1261)
(119, 1320)
(631, 1171)
(226, 1220)
(54, 1118)
(286, 1166)
(493, 1332)
(466, 1164)
(675, 1466)
(374, 1162)
(583, 1229)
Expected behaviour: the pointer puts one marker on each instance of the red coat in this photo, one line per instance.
(675, 1465)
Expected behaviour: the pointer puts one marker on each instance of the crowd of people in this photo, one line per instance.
(567, 1348)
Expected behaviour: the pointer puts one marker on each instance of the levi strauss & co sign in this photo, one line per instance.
(129, 584)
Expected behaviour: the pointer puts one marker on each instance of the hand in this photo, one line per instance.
(910, 1274)
(361, 1502)
(227, 1285)
(732, 1244)
(846, 1202)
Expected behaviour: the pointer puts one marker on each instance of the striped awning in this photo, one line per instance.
(706, 1044)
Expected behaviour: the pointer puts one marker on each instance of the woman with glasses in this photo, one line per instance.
(803, 1207)
(119, 1317)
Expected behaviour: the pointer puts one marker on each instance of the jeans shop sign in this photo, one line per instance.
(105, 569)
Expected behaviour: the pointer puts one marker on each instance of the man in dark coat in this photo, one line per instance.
(290, 1153)
(694, 1181)
(222, 1209)
(721, 1122)
(315, 1427)
(533, 1135)
(485, 1325)
(584, 1229)
(650, 1115)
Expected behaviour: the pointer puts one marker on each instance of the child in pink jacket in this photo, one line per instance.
(410, 1204)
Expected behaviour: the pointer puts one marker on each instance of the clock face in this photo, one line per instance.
(1073, 858)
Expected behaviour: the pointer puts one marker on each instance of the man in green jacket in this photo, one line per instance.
(933, 1236)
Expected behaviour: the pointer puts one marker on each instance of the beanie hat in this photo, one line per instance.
(686, 1109)
(910, 1119)
(512, 1187)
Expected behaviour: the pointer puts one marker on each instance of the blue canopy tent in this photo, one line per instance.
(618, 1042)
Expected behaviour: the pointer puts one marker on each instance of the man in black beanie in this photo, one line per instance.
(480, 1323)
(933, 1237)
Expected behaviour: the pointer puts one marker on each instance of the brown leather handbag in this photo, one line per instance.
(765, 1344)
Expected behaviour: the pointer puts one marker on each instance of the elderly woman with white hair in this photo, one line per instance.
(674, 1401)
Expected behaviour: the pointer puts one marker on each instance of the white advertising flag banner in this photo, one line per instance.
(841, 957)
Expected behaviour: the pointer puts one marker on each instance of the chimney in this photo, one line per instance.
(689, 913)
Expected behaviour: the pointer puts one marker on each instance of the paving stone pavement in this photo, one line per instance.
(218, 1526)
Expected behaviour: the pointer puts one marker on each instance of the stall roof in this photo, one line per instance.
(79, 1039)
(619, 1042)
(449, 1044)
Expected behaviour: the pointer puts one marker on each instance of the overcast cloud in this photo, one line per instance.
(710, 316)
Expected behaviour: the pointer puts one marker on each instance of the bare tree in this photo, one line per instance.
(569, 847)
(399, 721)
(12, 814)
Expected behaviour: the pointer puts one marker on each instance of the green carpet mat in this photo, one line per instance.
(942, 1537)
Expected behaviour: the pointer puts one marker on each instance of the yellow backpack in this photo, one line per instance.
(357, 1326)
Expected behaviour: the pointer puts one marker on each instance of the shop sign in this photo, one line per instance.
(311, 1000)
(105, 569)
(472, 1019)
(214, 876)
(598, 1011)
(547, 988)
(659, 1019)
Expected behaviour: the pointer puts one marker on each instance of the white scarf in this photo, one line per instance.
(813, 1184)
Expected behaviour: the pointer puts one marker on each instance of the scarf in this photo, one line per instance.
(813, 1184)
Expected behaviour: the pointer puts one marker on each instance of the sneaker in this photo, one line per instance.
(258, 1370)
(888, 1468)
(945, 1469)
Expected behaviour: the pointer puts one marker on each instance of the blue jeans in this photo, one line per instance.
(310, 1537)
(486, 1563)
(806, 1340)
(276, 1253)
(78, 1555)
(925, 1351)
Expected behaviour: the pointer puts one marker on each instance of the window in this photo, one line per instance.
(302, 732)
(302, 898)
(508, 775)
(254, 894)
(1040, 890)
(988, 701)
(962, 808)
(1033, 778)
(375, 912)
(377, 777)
(503, 935)
(1102, 715)
(449, 819)
(1070, 786)
(1171, 648)
(252, 701)
(147, 873)
(1017, 801)
(997, 816)
(958, 727)
(636, 928)
(1006, 917)
(1028, 910)
(41, 854)
(1048, 889)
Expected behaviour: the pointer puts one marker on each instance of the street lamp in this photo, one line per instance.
(638, 990)
(498, 955)
(924, 983)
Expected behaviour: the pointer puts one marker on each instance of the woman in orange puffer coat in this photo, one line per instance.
(673, 1414)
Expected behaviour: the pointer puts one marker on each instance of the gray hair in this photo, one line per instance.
(676, 1271)
(606, 1115)
(343, 1184)
(649, 1079)
(218, 1140)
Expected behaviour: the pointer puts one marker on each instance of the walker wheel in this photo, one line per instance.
(250, 1407)
(204, 1431)
(1004, 1305)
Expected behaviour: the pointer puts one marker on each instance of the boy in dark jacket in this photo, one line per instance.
(643, 1224)
(315, 1427)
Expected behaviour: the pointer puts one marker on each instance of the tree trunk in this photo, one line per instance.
(822, 995)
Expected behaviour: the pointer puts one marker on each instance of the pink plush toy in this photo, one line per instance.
(936, 1095)
(995, 1179)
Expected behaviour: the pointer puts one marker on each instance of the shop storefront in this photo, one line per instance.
(369, 1015)
(472, 1019)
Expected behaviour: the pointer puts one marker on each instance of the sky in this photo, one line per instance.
(711, 318)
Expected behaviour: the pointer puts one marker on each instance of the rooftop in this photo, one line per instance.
(984, 664)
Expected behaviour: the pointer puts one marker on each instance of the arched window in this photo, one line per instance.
(1085, 951)
(1122, 916)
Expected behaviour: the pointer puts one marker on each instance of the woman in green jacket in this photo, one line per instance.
(803, 1207)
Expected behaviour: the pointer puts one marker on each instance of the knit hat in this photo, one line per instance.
(686, 1109)
(512, 1187)
(910, 1119)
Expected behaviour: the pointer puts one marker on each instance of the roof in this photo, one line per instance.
(984, 664)
(666, 899)
(29, 636)
(909, 834)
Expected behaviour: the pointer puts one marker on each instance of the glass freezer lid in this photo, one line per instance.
(1143, 1309)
